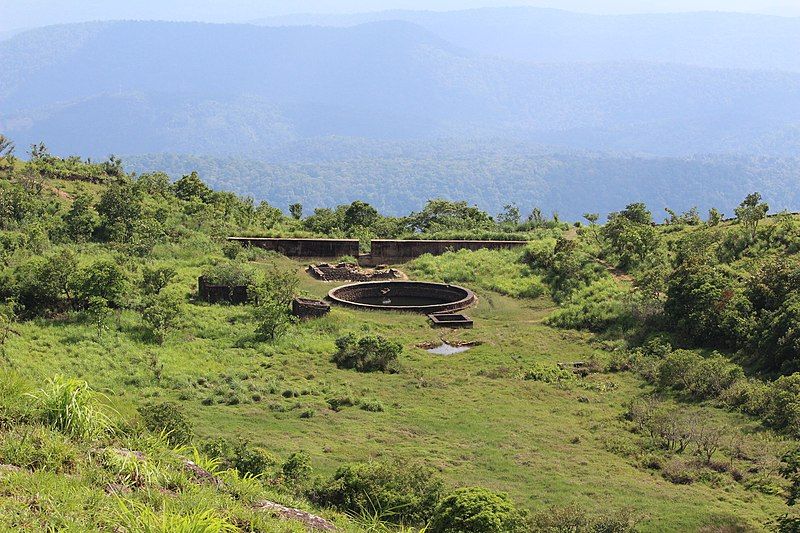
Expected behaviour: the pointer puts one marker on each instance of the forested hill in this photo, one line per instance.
(731, 40)
(403, 178)
(208, 89)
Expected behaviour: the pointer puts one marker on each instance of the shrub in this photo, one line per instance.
(70, 406)
(702, 377)
(297, 467)
(399, 493)
(155, 278)
(574, 519)
(273, 319)
(367, 354)
(598, 307)
(161, 313)
(167, 418)
(372, 405)
(102, 279)
(230, 274)
(476, 510)
(253, 460)
(548, 374)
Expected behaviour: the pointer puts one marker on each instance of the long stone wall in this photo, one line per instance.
(385, 251)
(303, 247)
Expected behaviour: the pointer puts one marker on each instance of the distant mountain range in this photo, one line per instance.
(708, 39)
(136, 87)
(366, 98)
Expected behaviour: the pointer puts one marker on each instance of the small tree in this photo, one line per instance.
(714, 217)
(510, 215)
(750, 212)
(296, 210)
(155, 278)
(273, 319)
(99, 312)
(161, 313)
(81, 220)
(592, 219)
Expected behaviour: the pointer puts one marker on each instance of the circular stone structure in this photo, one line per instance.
(411, 296)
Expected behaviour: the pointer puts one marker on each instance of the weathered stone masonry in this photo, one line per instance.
(383, 251)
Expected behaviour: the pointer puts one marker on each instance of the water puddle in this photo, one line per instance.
(445, 348)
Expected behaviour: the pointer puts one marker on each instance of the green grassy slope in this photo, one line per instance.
(470, 415)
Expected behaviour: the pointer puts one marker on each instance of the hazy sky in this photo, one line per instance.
(16, 14)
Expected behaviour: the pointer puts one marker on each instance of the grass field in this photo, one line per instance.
(470, 415)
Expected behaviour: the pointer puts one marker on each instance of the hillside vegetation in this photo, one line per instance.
(623, 376)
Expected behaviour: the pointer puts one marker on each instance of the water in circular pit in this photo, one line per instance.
(412, 296)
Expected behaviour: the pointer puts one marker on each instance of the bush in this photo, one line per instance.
(169, 419)
(398, 493)
(497, 270)
(548, 374)
(229, 274)
(253, 460)
(273, 319)
(102, 279)
(573, 519)
(702, 377)
(476, 510)
(297, 467)
(367, 354)
(598, 307)
(155, 278)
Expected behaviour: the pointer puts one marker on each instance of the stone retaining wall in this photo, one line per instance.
(401, 251)
(383, 251)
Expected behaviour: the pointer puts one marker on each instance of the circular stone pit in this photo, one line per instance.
(411, 296)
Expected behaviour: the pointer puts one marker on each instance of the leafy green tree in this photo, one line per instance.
(592, 219)
(81, 220)
(750, 212)
(191, 187)
(98, 311)
(120, 209)
(440, 215)
(360, 214)
(103, 279)
(296, 210)
(630, 235)
(510, 216)
(708, 304)
(714, 217)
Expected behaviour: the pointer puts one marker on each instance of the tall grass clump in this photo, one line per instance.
(70, 406)
(139, 518)
(601, 306)
(496, 270)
